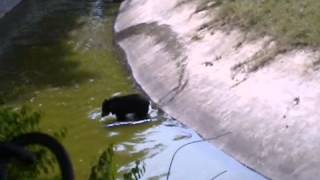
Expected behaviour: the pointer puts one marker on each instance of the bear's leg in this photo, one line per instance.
(141, 115)
(121, 117)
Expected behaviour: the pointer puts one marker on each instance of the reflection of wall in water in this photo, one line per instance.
(7, 5)
(30, 12)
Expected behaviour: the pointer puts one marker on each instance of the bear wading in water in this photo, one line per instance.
(121, 106)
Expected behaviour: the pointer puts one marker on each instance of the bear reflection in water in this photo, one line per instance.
(122, 106)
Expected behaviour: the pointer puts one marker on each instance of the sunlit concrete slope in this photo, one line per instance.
(216, 80)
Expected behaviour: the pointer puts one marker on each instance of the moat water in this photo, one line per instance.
(58, 57)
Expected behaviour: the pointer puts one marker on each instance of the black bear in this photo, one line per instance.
(123, 105)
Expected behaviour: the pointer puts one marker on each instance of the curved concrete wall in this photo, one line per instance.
(216, 80)
(7, 5)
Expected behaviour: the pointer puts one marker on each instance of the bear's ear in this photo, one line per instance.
(105, 103)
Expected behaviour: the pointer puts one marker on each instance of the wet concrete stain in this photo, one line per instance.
(173, 46)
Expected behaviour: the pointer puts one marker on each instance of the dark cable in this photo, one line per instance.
(192, 142)
(53, 145)
(9, 151)
(216, 176)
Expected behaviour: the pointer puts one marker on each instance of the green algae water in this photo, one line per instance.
(57, 56)
(60, 60)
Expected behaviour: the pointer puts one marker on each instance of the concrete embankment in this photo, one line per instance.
(218, 80)
(7, 5)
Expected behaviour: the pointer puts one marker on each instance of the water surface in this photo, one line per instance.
(58, 57)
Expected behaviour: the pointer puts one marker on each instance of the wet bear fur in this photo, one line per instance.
(121, 106)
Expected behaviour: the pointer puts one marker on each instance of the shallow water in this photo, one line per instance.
(58, 57)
